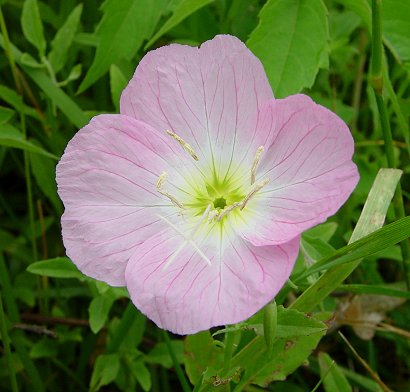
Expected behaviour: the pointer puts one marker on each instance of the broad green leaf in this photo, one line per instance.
(98, 310)
(142, 374)
(183, 9)
(396, 27)
(123, 28)
(63, 39)
(12, 137)
(43, 170)
(160, 354)
(44, 348)
(117, 84)
(59, 267)
(324, 231)
(333, 378)
(287, 355)
(32, 25)
(291, 40)
(371, 219)
(200, 353)
(5, 114)
(105, 371)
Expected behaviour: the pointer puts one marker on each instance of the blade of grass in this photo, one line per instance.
(366, 246)
(371, 219)
(372, 373)
(6, 346)
(374, 290)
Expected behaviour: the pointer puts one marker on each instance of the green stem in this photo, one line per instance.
(376, 63)
(180, 374)
(6, 346)
(377, 83)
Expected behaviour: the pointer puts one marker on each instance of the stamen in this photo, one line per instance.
(256, 188)
(160, 182)
(183, 144)
(228, 209)
(161, 179)
(256, 162)
(187, 240)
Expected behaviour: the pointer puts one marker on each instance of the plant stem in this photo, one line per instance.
(180, 374)
(6, 345)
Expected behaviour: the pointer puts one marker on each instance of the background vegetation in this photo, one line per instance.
(64, 61)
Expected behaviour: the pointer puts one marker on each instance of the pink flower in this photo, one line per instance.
(194, 196)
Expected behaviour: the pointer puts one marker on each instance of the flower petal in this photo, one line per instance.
(308, 162)
(209, 96)
(107, 182)
(189, 295)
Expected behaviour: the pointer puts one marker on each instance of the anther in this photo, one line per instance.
(228, 209)
(256, 162)
(160, 182)
(256, 188)
(183, 144)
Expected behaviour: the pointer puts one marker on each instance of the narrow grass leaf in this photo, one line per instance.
(371, 219)
(333, 378)
(12, 137)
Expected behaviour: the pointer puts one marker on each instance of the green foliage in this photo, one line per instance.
(64, 62)
(291, 41)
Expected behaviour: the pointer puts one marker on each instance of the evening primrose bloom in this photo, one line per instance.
(194, 197)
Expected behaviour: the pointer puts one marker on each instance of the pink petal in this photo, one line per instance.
(209, 96)
(308, 162)
(107, 181)
(190, 296)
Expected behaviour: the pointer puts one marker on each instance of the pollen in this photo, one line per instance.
(187, 147)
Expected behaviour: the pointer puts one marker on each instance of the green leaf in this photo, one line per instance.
(396, 28)
(32, 26)
(63, 39)
(12, 137)
(98, 311)
(5, 114)
(160, 354)
(183, 9)
(13, 99)
(105, 371)
(59, 267)
(123, 28)
(199, 354)
(375, 290)
(333, 378)
(56, 94)
(371, 219)
(43, 170)
(44, 348)
(117, 84)
(291, 41)
(142, 374)
(324, 231)
(287, 353)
